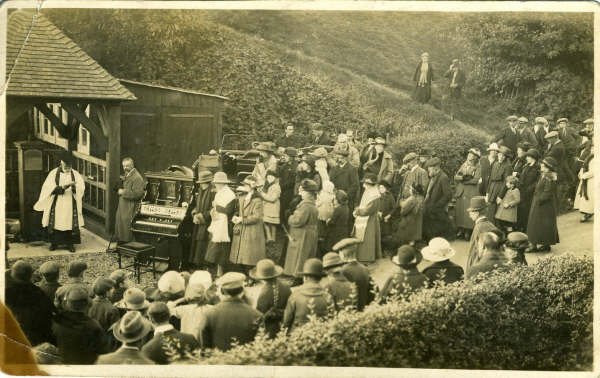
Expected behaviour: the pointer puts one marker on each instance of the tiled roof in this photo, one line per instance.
(50, 64)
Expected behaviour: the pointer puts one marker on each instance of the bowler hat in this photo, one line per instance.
(309, 185)
(132, 327)
(562, 120)
(550, 162)
(319, 153)
(517, 240)
(551, 134)
(49, 267)
(511, 118)
(313, 267)
(523, 120)
(477, 203)
(380, 140)
(438, 249)
(532, 152)
(406, 255)
(505, 151)
(332, 260)
(265, 269)
(345, 243)
(102, 285)
(220, 178)
(475, 151)
(171, 282)
(589, 120)
(409, 157)
(21, 271)
(204, 177)
(75, 268)
(231, 280)
(135, 299)
(433, 162)
(291, 151)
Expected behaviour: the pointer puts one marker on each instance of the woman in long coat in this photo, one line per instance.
(248, 244)
(366, 224)
(201, 215)
(423, 78)
(410, 226)
(303, 233)
(467, 180)
(501, 169)
(530, 174)
(541, 227)
(584, 197)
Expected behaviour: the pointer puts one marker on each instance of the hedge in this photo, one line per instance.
(529, 318)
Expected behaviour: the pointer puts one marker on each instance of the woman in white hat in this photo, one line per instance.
(466, 179)
(366, 225)
(220, 228)
(439, 252)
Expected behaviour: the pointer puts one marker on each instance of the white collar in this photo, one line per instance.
(163, 328)
(415, 167)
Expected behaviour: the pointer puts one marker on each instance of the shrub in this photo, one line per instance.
(537, 317)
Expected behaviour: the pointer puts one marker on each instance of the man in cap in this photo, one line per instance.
(30, 306)
(556, 149)
(405, 280)
(75, 271)
(102, 310)
(439, 252)
(231, 319)
(122, 283)
(413, 174)
(457, 80)
(131, 331)
(61, 200)
(477, 211)
(380, 162)
(509, 136)
(515, 246)
(486, 167)
(342, 144)
(344, 176)
(201, 217)
(540, 128)
(568, 136)
(289, 138)
(273, 294)
(343, 292)
(166, 337)
(525, 133)
(319, 136)
(436, 221)
(130, 194)
(287, 179)
(309, 298)
(356, 272)
(49, 283)
(79, 338)
(367, 149)
(492, 255)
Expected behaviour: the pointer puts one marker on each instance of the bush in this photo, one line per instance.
(529, 318)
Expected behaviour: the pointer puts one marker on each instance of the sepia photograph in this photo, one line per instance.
(239, 188)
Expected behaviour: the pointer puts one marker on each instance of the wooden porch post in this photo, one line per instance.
(110, 119)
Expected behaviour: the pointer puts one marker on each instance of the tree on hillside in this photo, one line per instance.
(541, 64)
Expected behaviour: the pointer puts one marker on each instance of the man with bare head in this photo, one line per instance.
(130, 193)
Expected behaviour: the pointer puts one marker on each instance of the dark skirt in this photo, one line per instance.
(423, 94)
(218, 253)
(64, 237)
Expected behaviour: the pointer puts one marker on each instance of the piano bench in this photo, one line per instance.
(143, 256)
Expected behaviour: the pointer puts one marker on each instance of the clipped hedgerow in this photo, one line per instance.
(529, 318)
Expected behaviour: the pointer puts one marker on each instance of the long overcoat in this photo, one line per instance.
(466, 178)
(482, 225)
(410, 224)
(558, 152)
(528, 178)
(248, 244)
(370, 248)
(346, 179)
(133, 191)
(203, 200)
(303, 237)
(500, 171)
(541, 227)
(435, 215)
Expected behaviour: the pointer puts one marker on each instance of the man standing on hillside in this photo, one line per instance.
(457, 80)
(423, 77)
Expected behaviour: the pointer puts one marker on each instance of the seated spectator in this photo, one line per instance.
(29, 304)
(356, 272)
(131, 331)
(407, 279)
(515, 246)
(439, 253)
(343, 292)
(493, 257)
(231, 319)
(122, 283)
(309, 298)
(133, 300)
(75, 271)
(79, 338)
(167, 343)
(102, 310)
(273, 294)
(47, 354)
(49, 283)
(170, 287)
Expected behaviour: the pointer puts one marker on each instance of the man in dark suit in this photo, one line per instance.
(356, 272)
(508, 136)
(166, 337)
(435, 213)
(232, 318)
(289, 138)
(570, 140)
(345, 177)
(320, 138)
(493, 256)
(525, 133)
(29, 304)
(540, 128)
(130, 331)
(556, 150)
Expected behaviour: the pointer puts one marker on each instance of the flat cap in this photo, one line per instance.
(523, 120)
(562, 120)
(49, 267)
(409, 157)
(517, 240)
(118, 275)
(102, 285)
(345, 244)
(75, 268)
(541, 120)
(77, 293)
(512, 118)
(158, 308)
(589, 120)
(551, 134)
(231, 280)
(433, 162)
(309, 185)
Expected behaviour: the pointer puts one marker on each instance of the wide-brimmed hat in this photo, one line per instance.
(346, 243)
(132, 327)
(231, 280)
(204, 177)
(265, 269)
(201, 277)
(551, 134)
(438, 249)
(523, 120)
(312, 267)
(475, 151)
(517, 240)
(550, 162)
(265, 146)
(380, 140)
(309, 185)
(319, 153)
(562, 120)
(433, 162)
(505, 151)
(220, 178)
(477, 203)
(409, 157)
(135, 299)
(332, 260)
(171, 282)
(512, 118)
(532, 152)
(493, 147)
(406, 255)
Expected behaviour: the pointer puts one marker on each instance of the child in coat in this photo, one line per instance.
(270, 194)
(507, 206)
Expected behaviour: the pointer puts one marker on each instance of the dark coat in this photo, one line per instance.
(445, 270)
(104, 312)
(402, 283)
(203, 200)
(124, 356)
(509, 138)
(272, 308)
(485, 171)
(248, 242)
(293, 140)
(49, 288)
(32, 309)
(62, 291)
(482, 225)
(387, 205)
(541, 226)
(410, 224)
(79, 338)
(466, 179)
(527, 135)
(559, 153)
(304, 237)
(322, 140)
(308, 299)
(343, 291)
(423, 93)
(460, 81)
(346, 179)
(231, 319)
(359, 274)
(338, 227)
(539, 137)
(287, 181)
(497, 186)
(182, 343)
(413, 176)
(527, 180)
(489, 261)
(435, 214)
(133, 191)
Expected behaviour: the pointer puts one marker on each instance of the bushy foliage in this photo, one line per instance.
(532, 318)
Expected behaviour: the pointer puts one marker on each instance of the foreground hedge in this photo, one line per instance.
(532, 318)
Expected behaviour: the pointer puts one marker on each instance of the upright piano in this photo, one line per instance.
(164, 217)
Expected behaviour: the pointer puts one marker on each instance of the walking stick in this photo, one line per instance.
(287, 233)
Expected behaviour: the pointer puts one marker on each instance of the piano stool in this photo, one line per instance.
(143, 258)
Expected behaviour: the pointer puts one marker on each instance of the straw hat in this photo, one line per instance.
(221, 178)
(438, 249)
